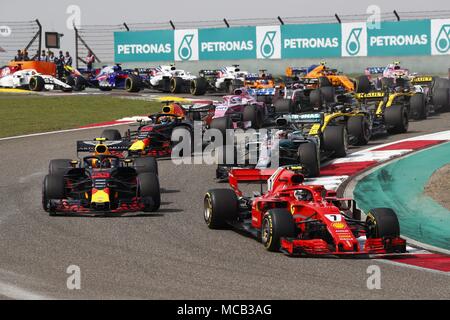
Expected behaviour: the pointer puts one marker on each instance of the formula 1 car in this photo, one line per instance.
(226, 79)
(30, 79)
(153, 137)
(299, 219)
(263, 86)
(389, 76)
(164, 78)
(101, 183)
(308, 88)
(305, 139)
(240, 110)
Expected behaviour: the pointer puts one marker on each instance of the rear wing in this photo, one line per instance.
(374, 96)
(248, 175)
(89, 146)
(300, 119)
(422, 80)
(374, 70)
(208, 73)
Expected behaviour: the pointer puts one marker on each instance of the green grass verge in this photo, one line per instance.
(25, 114)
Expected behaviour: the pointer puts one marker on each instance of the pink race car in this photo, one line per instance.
(391, 75)
(240, 110)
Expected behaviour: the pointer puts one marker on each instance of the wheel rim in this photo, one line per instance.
(33, 83)
(193, 87)
(208, 210)
(128, 84)
(265, 232)
(345, 140)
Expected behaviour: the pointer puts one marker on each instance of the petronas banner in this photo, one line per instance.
(358, 39)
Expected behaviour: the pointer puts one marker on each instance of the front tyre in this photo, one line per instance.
(276, 224)
(220, 207)
(148, 186)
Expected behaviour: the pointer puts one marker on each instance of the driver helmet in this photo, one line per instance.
(303, 195)
(281, 134)
(165, 119)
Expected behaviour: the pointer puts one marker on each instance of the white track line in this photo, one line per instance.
(17, 293)
(62, 131)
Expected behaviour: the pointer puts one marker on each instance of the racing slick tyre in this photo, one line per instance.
(362, 84)
(335, 138)
(324, 82)
(441, 98)
(176, 85)
(315, 98)
(133, 83)
(59, 166)
(396, 119)
(418, 106)
(386, 83)
(222, 124)
(70, 80)
(220, 206)
(276, 224)
(111, 135)
(105, 88)
(37, 83)
(283, 106)
(309, 158)
(358, 128)
(148, 186)
(198, 86)
(52, 189)
(253, 114)
(146, 165)
(328, 94)
(382, 223)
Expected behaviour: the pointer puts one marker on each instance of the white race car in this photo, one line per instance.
(226, 79)
(168, 78)
(30, 79)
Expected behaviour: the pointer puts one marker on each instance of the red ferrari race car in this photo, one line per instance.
(101, 183)
(300, 219)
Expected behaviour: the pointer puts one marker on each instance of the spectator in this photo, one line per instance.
(90, 59)
(68, 59)
(36, 56)
(60, 65)
(25, 56)
(51, 57)
(19, 56)
(43, 56)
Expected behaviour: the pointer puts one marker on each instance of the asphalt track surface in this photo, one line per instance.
(171, 254)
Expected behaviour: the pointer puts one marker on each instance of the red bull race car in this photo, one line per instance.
(101, 183)
(300, 219)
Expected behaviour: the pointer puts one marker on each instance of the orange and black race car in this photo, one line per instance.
(263, 86)
(101, 183)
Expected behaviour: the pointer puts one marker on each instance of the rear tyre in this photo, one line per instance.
(396, 119)
(111, 135)
(37, 83)
(418, 106)
(253, 114)
(52, 189)
(315, 98)
(176, 85)
(146, 165)
(382, 223)
(324, 82)
(309, 159)
(220, 207)
(59, 166)
(198, 86)
(441, 98)
(358, 127)
(328, 94)
(283, 106)
(222, 124)
(133, 83)
(276, 224)
(335, 138)
(148, 185)
(363, 84)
